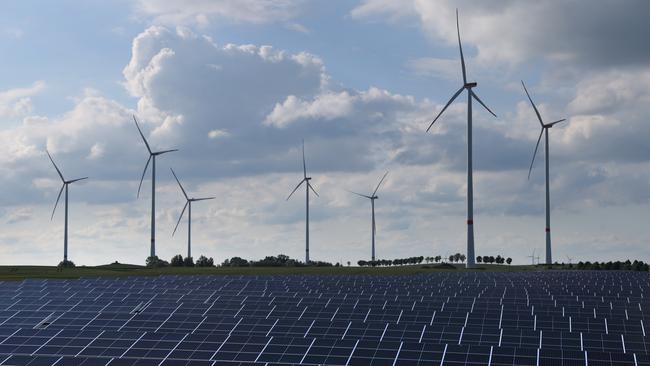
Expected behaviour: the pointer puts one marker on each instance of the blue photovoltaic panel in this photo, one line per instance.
(469, 318)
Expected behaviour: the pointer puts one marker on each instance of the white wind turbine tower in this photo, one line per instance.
(188, 206)
(65, 185)
(308, 186)
(470, 183)
(372, 199)
(152, 156)
(544, 131)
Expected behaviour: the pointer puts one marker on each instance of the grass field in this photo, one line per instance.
(112, 270)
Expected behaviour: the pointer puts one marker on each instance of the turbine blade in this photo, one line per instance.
(460, 47)
(554, 123)
(304, 164)
(55, 167)
(446, 106)
(142, 135)
(203, 199)
(295, 189)
(143, 173)
(481, 102)
(179, 184)
(57, 201)
(535, 153)
(164, 151)
(359, 194)
(312, 189)
(76, 180)
(180, 217)
(382, 179)
(539, 117)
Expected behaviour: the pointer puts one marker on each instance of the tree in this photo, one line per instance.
(451, 258)
(509, 260)
(188, 262)
(498, 259)
(479, 259)
(438, 258)
(486, 259)
(156, 262)
(491, 259)
(348, 263)
(462, 258)
(204, 262)
(177, 261)
(235, 262)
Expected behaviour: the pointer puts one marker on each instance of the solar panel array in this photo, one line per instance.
(468, 318)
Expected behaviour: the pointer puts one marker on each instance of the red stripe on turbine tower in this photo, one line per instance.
(470, 222)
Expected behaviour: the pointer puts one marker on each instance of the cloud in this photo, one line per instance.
(17, 102)
(298, 28)
(202, 12)
(575, 32)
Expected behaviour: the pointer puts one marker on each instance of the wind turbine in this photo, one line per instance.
(308, 186)
(65, 185)
(470, 183)
(188, 205)
(532, 257)
(570, 259)
(544, 131)
(372, 199)
(152, 156)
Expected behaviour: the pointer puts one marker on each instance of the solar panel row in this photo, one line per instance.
(558, 318)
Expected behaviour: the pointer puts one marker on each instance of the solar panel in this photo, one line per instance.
(465, 318)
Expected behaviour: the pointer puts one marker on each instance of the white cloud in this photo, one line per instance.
(298, 28)
(202, 12)
(17, 102)
(216, 134)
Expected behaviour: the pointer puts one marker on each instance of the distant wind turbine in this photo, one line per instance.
(65, 185)
(532, 256)
(544, 131)
(308, 186)
(372, 199)
(152, 156)
(470, 185)
(188, 206)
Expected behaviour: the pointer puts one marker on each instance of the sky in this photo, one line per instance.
(237, 85)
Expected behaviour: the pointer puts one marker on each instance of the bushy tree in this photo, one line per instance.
(188, 262)
(177, 261)
(479, 259)
(156, 262)
(204, 262)
(509, 260)
(235, 262)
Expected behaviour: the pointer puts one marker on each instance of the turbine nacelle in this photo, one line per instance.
(470, 85)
